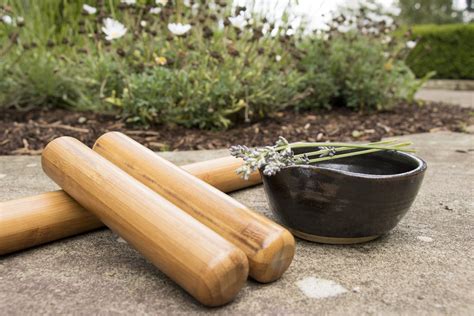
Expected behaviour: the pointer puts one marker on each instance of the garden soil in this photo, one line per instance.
(27, 133)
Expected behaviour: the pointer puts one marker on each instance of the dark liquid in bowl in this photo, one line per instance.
(378, 163)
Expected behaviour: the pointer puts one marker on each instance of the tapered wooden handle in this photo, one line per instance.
(206, 265)
(268, 246)
(50, 216)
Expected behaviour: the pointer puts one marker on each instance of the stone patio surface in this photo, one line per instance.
(425, 266)
(462, 98)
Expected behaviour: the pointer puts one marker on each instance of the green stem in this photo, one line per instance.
(361, 152)
(303, 145)
(111, 7)
(391, 141)
(393, 147)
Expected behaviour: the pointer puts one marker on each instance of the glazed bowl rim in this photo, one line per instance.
(421, 167)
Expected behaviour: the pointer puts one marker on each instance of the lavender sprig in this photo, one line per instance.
(328, 151)
(271, 159)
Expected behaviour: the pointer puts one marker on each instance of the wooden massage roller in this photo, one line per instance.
(46, 217)
(269, 247)
(203, 263)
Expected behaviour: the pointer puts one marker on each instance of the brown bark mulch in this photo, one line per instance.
(26, 133)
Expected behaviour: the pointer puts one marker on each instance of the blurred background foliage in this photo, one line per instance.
(428, 12)
(233, 63)
(446, 49)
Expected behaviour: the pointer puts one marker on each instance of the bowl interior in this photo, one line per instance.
(378, 163)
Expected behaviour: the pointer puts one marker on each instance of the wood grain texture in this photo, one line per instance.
(268, 246)
(206, 265)
(42, 218)
(220, 173)
(50, 216)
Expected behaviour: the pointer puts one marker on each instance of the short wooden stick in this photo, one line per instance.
(206, 265)
(268, 246)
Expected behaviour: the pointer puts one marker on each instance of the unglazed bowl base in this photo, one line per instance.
(331, 240)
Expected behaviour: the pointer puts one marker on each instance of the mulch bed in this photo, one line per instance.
(26, 133)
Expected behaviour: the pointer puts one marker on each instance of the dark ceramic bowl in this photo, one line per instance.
(346, 200)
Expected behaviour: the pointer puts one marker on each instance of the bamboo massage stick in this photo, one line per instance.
(206, 265)
(50, 216)
(269, 247)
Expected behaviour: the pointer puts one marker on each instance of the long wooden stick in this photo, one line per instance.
(268, 246)
(202, 262)
(50, 216)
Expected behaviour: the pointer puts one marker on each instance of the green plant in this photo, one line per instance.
(45, 83)
(209, 93)
(445, 49)
(205, 64)
(428, 11)
(358, 64)
(153, 67)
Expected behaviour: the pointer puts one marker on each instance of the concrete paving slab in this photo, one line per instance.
(449, 84)
(456, 97)
(425, 266)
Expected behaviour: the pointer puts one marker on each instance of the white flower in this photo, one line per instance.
(113, 29)
(143, 23)
(386, 39)
(187, 3)
(238, 21)
(89, 9)
(161, 2)
(220, 24)
(212, 6)
(344, 28)
(411, 44)
(195, 8)
(20, 19)
(129, 2)
(178, 28)
(155, 10)
(277, 57)
(394, 10)
(7, 19)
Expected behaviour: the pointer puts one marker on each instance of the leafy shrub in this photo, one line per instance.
(222, 65)
(225, 67)
(359, 65)
(26, 85)
(446, 49)
(355, 73)
(207, 95)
